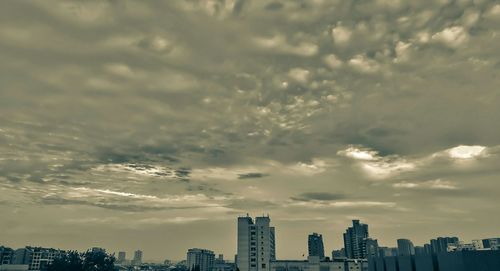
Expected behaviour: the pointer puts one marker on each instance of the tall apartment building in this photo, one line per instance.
(137, 257)
(200, 259)
(355, 240)
(315, 245)
(256, 244)
(405, 247)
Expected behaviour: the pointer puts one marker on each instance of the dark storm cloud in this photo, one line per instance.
(252, 175)
(161, 109)
(319, 196)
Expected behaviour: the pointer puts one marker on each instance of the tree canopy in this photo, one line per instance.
(91, 260)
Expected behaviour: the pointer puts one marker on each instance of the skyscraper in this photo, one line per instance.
(355, 240)
(315, 245)
(137, 257)
(200, 259)
(405, 247)
(256, 243)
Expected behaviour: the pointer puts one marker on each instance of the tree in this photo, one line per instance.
(91, 260)
(98, 261)
(68, 261)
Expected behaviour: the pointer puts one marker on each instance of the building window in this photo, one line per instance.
(263, 265)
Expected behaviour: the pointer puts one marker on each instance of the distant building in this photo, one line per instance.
(485, 260)
(405, 247)
(34, 258)
(314, 263)
(355, 240)
(371, 247)
(420, 250)
(122, 257)
(461, 246)
(200, 259)
(256, 244)
(338, 254)
(428, 248)
(137, 257)
(440, 244)
(221, 265)
(14, 267)
(98, 249)
(491, 243)
(6, 255)
(387, 251)
(315, 245)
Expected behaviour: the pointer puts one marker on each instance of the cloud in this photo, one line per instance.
(318, 196)
(437, 184)
(377, 166)
(127, 201)
(299, 75)
(332, 61)
(466, 152)
(279, 44)
(359, 154)
(146, 170)
(180, 108)
(453, 37)
(341, 35)
(363, 64)
(252, 175)
(343, 204)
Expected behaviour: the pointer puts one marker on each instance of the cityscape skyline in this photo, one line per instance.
(256, 251)
(300, 253)
(150, 125)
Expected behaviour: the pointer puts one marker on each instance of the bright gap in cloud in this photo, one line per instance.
(466, 152)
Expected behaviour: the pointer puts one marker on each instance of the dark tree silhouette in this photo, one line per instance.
(69, 261)
(98, 261)
(87, 261)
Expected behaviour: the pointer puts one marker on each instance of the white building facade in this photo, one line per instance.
(256, 244)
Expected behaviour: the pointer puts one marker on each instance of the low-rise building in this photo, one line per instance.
(315, 264)
(478, 260)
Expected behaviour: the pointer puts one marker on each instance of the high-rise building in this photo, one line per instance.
(405, 247)
(137, 257)
(371, 247)
(440, 244)
(200, 259)
(256, 243)
(315, 245)
(121, 257)
(355, 240)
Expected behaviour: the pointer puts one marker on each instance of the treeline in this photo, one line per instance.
(91, 260)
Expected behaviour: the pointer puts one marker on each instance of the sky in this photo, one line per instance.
(153, 125)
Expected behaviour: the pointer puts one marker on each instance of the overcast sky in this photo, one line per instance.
(153, 124)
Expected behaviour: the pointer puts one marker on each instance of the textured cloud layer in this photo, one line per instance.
(164, 120)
